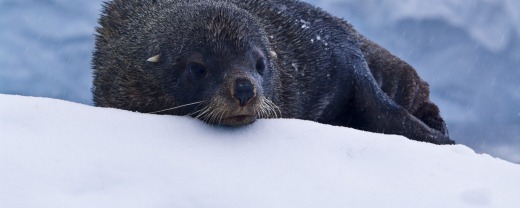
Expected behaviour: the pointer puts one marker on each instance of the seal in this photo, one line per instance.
(231, 62)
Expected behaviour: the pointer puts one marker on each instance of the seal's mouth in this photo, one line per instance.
(238, 120)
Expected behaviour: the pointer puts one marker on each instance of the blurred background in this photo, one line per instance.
(468, 50)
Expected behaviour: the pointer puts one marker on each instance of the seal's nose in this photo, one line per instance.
(244, 91)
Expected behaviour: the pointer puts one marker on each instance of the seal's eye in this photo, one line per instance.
(197, 71)
(260, 66)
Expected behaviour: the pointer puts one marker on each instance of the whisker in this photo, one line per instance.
(177, 107)
(222, 115)
(275, 109)
(195, 112)
(268, 109)
(204, 110)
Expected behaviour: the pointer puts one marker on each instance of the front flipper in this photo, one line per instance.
(373, 110)
(402, 84)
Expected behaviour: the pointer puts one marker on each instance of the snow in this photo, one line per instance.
(491, 22)
(56, 154)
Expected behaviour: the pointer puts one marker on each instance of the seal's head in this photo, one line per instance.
(208, 60)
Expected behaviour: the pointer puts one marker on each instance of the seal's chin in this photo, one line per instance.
(238, 120)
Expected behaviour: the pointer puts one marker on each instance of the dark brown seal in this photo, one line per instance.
(231, 62)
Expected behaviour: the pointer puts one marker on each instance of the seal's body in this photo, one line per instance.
(231, 62)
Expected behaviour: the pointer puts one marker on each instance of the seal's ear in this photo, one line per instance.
(154, 59)
(273, 54)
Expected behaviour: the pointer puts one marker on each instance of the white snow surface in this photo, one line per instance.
(479, 18)
(57, 154)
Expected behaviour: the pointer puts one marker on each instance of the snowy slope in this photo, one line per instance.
(59, 154)
(493, 23)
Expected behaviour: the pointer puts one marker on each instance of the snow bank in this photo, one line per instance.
(494, 23)
(60, 154)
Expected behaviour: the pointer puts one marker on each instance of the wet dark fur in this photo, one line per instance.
(317, 67)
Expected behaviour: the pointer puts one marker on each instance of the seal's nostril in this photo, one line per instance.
(244, 91)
